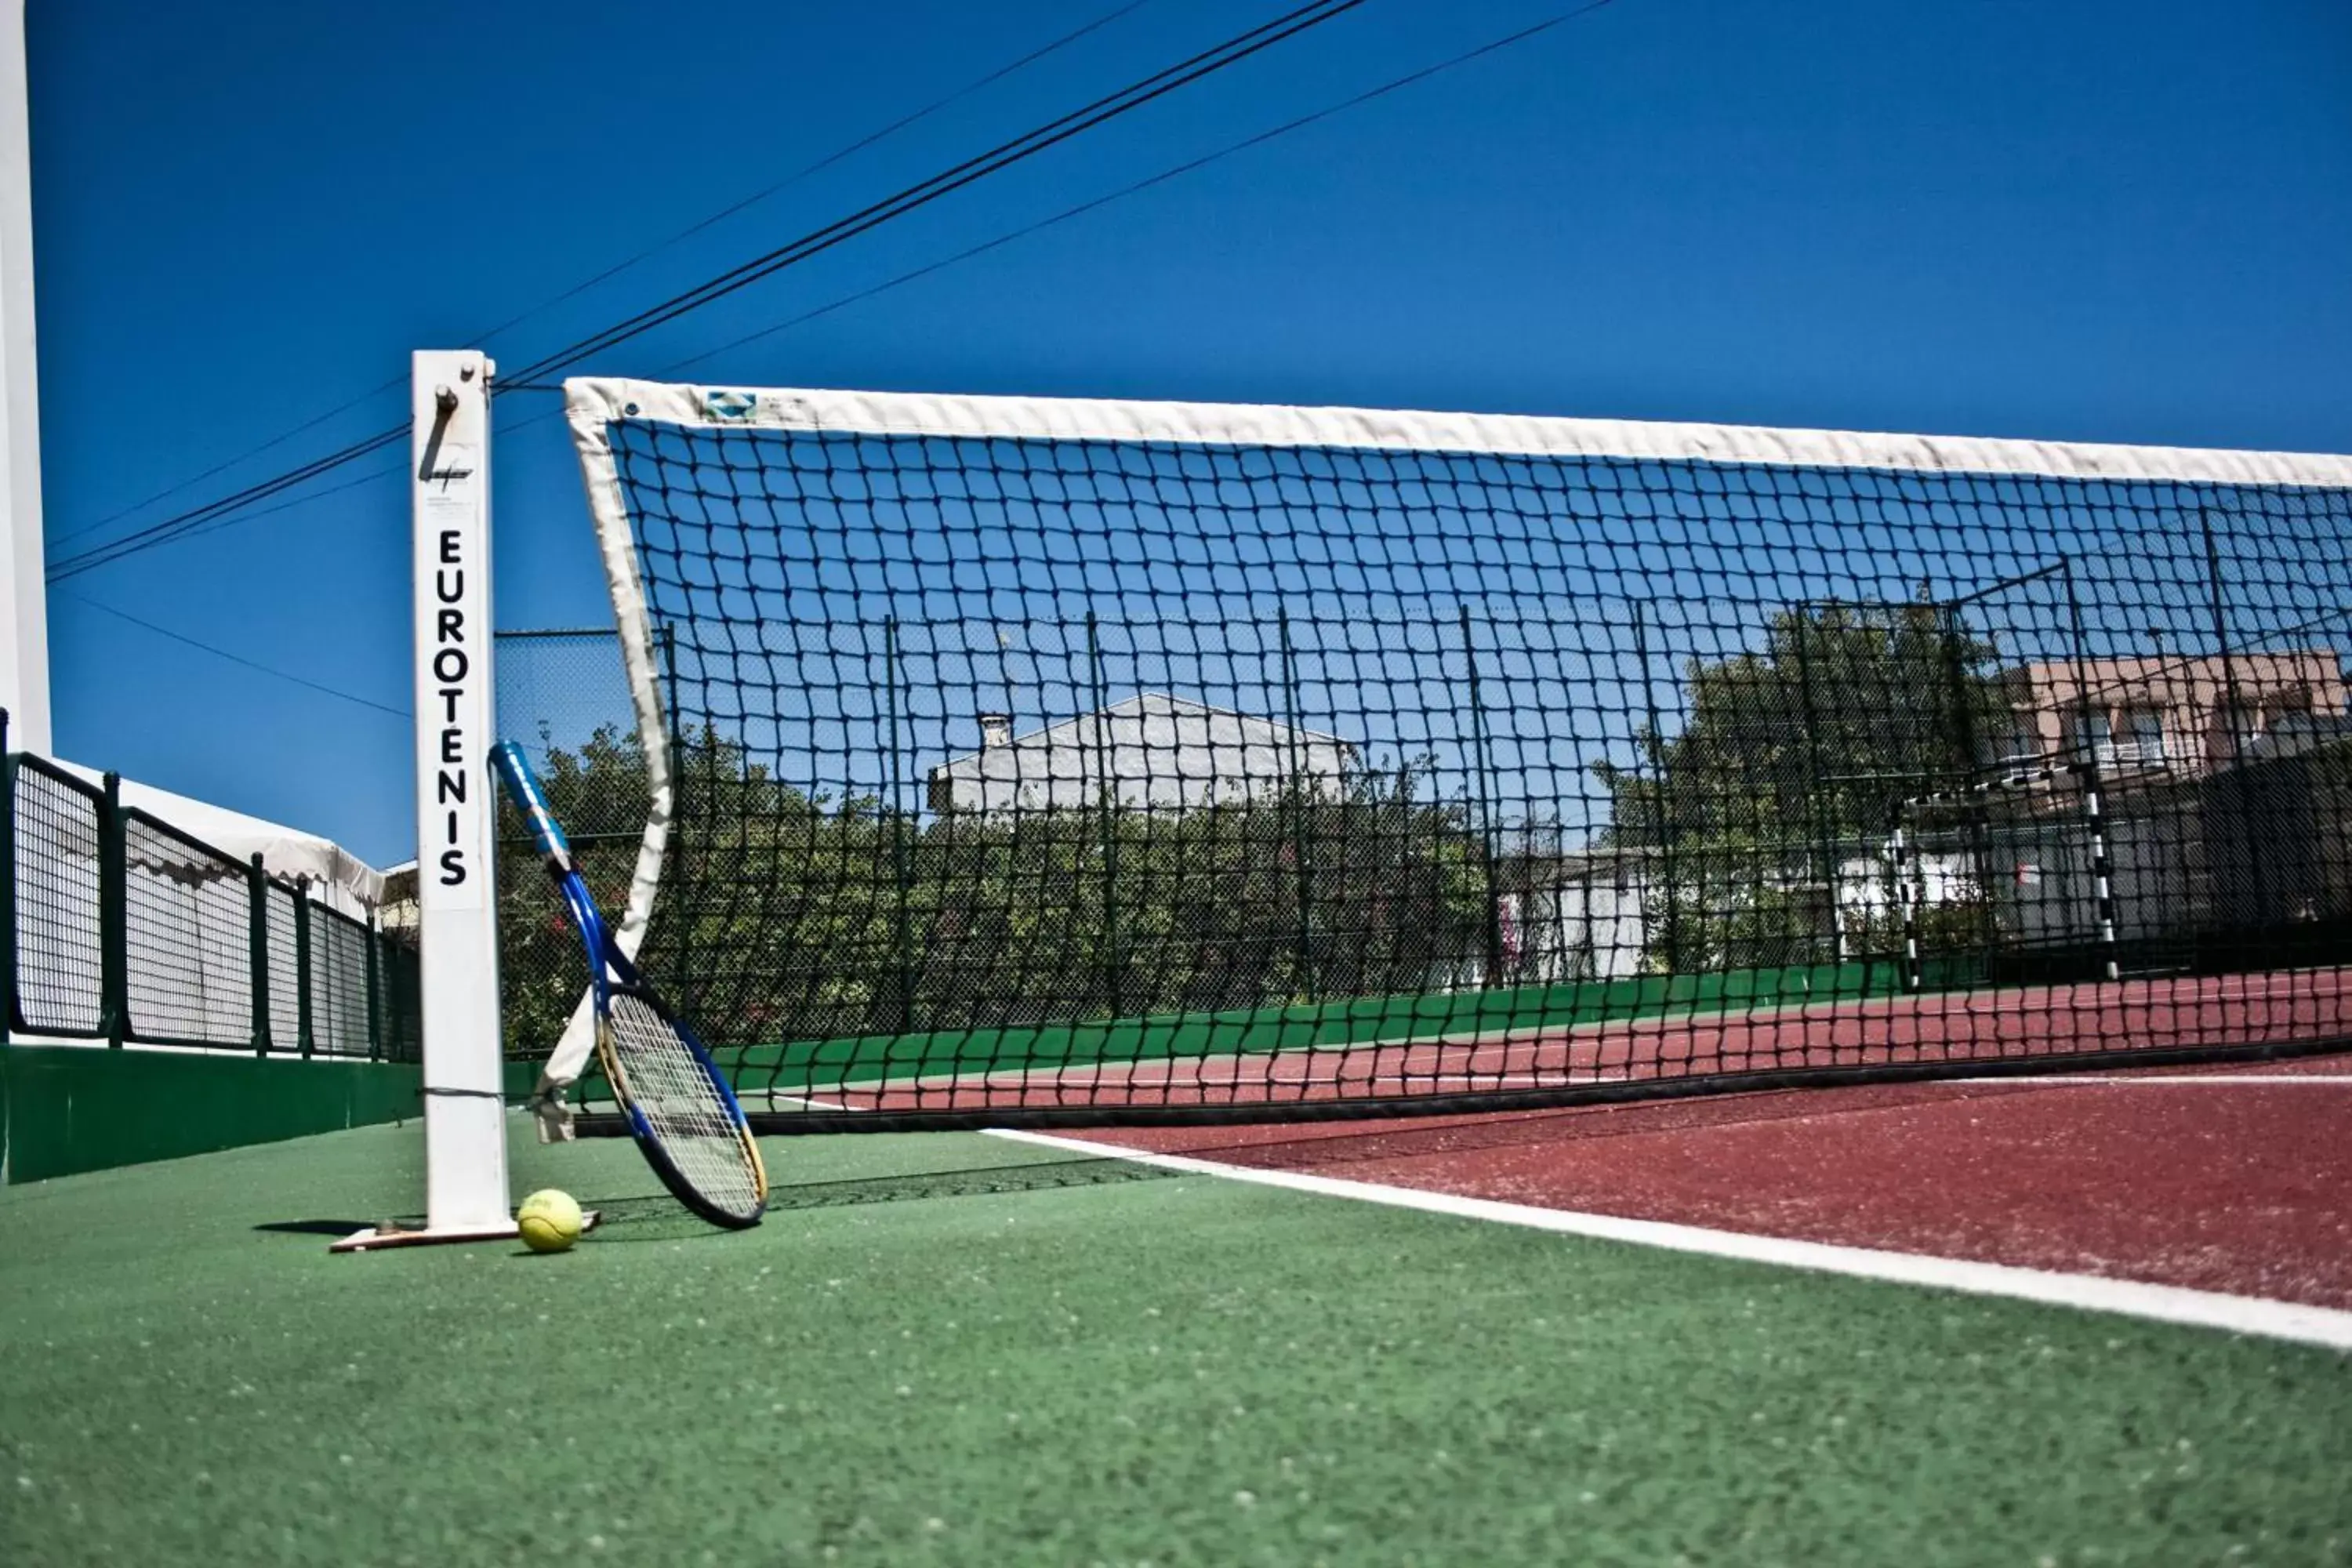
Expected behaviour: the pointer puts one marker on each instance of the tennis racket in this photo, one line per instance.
(680, 1109)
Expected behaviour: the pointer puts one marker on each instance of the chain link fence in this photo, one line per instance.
(563, 697)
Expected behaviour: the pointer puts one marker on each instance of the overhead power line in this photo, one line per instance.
(1004, 155)
(827, 161)
(1009, 237)
(227, 463)
(766, 192)
(1177, 171)
(182, 523)
(1150, 182)
(272, 671)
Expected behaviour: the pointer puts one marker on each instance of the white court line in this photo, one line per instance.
(773, 1098)
(2232, 1080)
(2126, 1297)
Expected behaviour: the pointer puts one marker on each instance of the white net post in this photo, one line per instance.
(465, 1133)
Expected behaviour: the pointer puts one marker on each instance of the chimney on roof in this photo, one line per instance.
(996, 731)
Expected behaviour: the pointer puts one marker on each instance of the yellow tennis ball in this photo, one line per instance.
(549, 1221)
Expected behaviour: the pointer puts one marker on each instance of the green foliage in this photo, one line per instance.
(1846, 712)
(1793, 760)
(598, 794)
(787, 917)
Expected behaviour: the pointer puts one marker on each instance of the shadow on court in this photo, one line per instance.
(337, 1228)
(657, 1216)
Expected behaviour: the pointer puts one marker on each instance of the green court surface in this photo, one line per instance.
(956, 1348)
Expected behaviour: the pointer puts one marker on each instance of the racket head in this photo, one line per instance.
(684, 1118)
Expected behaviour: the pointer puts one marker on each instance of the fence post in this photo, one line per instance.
(374, 994)
(1308, 982)
(1816, 786)
(388, 972)
(113, 917)
(303, 986)
(1906, 900)
(1965, 768)
(2102, 886)
(1106, 788)
(2240, 784)
(256, 892)
(407, 989)
(902, 939)
(1659, 829)
(1494, 933)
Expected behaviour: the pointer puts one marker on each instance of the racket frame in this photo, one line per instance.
(608, 964)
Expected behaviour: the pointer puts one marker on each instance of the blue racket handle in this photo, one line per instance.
(514, 768)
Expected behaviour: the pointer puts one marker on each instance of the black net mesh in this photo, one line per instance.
(1027, 779)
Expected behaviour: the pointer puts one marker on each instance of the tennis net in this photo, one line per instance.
(1054, 761)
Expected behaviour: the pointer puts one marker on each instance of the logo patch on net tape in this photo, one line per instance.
(730, 406)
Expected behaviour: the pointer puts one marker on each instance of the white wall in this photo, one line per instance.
(25, 638)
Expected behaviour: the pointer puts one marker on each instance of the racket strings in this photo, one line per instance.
(667, 1086)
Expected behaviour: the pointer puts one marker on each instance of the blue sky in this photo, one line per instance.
(2091, 220)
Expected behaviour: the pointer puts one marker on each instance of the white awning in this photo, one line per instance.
(338, 878)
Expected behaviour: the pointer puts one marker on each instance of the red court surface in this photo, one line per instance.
(2232, 1180)
(2235, 1179)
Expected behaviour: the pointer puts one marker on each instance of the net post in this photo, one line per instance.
(305, 976)
(113, 917)
(375, 992)
(465, 1132)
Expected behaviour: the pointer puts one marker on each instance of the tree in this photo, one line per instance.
(1788, 752)
(598, 793)
(788, 916)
